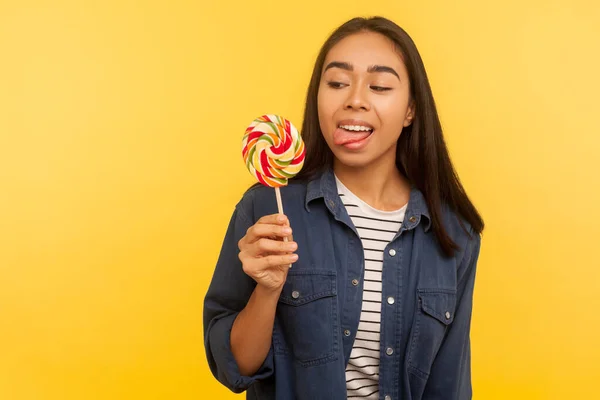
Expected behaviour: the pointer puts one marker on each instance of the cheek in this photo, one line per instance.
(392, 113)
(326, 110)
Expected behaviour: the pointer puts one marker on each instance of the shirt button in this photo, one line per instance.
(390, 300)
(413, 219)
(447, 315)
(355, 282)
(388, 397)
(331, 203)
(295, 294)
(392, 252)
(389, 351)
(346, 332)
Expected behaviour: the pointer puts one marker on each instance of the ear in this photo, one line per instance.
(410, 114)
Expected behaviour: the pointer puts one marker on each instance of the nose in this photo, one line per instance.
(357, 100)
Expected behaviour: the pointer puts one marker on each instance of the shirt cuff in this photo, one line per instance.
(227, 370)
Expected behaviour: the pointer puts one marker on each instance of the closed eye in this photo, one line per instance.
(335, 85)
(380, 88)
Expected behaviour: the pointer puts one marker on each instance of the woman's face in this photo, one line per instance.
(364, 99)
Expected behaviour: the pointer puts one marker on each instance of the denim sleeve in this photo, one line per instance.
(450, 377)
(227, 295)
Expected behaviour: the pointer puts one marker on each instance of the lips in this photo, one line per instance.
(355, 122)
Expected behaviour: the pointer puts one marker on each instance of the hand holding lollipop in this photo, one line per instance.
(273, 152)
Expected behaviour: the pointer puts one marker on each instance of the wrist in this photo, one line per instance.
(268, 293)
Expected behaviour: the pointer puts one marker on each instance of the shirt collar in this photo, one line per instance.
(324, 186)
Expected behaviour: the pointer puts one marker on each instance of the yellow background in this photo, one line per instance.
(120, 129)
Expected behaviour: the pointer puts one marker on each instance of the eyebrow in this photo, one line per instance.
(372, 69)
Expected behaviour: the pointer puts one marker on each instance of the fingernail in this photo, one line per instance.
(294, 257)
(286, 230)
(292, 246)
(281, 218)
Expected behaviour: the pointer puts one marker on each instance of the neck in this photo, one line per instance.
(379, 184)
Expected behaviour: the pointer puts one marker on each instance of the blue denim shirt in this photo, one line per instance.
(427, 325)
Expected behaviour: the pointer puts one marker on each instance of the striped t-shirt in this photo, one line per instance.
(376, 229)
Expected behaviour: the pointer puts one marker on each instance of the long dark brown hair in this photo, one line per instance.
(421, 156)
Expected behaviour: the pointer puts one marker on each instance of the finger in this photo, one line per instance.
(274, 219)
(245, 258)
(265, 246)
(252, 265)
(258, 231)
(288, 238)
(277, 260)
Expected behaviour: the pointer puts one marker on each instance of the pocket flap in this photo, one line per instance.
(438, 304)
(304, 286)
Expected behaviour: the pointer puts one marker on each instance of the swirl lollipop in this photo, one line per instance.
(273, 151)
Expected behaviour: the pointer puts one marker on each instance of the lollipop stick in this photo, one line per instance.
(280, 208)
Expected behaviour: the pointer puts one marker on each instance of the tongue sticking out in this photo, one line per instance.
(343, 136)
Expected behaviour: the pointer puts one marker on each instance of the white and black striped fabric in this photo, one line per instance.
(376, 229)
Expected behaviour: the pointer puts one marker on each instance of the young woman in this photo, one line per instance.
(377, 304)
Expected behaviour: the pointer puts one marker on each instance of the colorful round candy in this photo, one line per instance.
(273, 150)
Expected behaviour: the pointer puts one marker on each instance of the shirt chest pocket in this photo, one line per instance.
(306, 320)
(434, 314)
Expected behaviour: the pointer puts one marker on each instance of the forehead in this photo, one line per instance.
(365, 49)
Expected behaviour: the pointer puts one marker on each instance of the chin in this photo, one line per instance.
(355, 160)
